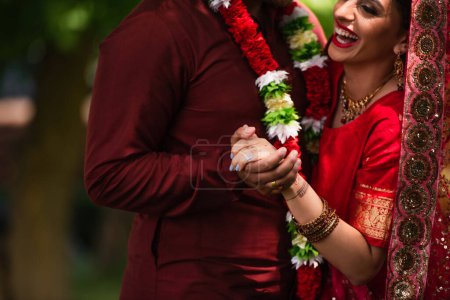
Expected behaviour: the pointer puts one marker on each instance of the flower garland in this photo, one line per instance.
(281, 118)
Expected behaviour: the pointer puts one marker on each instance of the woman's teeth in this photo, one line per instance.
(344, 36)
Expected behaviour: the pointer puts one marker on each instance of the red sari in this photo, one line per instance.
(357, 174)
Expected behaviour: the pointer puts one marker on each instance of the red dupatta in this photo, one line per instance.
(418, 258)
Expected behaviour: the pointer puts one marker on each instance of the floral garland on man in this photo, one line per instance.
(281, 119)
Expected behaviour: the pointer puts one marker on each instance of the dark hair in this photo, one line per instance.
(404, 7)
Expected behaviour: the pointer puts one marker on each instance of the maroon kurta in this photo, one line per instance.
(171, 88)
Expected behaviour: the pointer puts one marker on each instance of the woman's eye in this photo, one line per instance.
(368, 9)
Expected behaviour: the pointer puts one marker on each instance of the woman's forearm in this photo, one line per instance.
(345, 248)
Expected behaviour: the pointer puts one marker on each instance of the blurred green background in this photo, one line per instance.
(54, 243)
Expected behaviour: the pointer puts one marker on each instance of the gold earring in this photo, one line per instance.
(398, 69)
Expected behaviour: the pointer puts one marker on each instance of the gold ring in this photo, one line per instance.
(274, 184)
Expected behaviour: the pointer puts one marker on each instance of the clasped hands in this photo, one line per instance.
(260, 165)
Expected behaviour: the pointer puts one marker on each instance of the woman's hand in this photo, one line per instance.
(259, 164)
(247, 147)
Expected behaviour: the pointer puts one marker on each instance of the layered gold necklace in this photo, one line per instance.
(352, 108)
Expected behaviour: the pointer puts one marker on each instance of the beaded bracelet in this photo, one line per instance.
(312, 226)
(321, 227)
(326, 232)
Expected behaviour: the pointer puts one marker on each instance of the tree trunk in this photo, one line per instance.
(42, 202)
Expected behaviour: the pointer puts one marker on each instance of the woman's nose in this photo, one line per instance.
(345, 10)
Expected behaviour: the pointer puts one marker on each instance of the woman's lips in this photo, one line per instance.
(344, 37)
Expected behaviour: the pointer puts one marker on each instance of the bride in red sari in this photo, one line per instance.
(370, 223)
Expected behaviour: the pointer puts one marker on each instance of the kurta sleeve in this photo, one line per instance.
(376, 182)
(141, 79)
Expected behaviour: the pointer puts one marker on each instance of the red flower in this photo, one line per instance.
(318, 92)
(290, 144)
(308, 282)
(245, 33)
(290, 8)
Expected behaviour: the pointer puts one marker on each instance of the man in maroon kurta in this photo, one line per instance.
(171, 87)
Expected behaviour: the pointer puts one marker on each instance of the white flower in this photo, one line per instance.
(316, 60)
(298, 12)
(271, 76)
(315, 125)
(315, 261)
(216, 4)
(274, 104)
(289, 217)
(296, 262)
(300, 241)
(283, 132)
(301, 38)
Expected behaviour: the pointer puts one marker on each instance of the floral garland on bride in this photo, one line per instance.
(281, 118)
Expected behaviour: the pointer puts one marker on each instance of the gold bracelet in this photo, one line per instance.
(301, 191)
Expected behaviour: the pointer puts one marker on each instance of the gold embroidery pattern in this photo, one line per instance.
(419, 163)
(373, 215)
(376, 189)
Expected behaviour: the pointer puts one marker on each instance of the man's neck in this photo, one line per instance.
(254, 7)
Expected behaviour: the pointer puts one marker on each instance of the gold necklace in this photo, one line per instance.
(352, 108)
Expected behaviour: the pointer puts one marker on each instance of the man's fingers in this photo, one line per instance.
(243, 132)
(285, 181)
(286, 175)
(268, 163)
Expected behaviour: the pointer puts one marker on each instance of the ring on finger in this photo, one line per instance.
(274, 184)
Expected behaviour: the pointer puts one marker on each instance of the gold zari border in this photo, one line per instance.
(373, 215)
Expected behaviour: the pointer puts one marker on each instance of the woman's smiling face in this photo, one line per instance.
(365, 31)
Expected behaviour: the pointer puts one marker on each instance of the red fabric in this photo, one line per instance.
(170, 82)
(357, 174)
(438, 286)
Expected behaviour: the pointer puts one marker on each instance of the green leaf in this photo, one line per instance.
(307, 52)
(274, 90)
(310, 135)
(295, 25)
(280, 116)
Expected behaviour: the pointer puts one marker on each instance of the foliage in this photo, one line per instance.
(323, 10)
(29, 26)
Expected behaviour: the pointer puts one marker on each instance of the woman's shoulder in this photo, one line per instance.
(385, 116)
(389, 106)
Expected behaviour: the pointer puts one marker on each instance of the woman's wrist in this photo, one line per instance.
(297, 190)
(302, 200)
